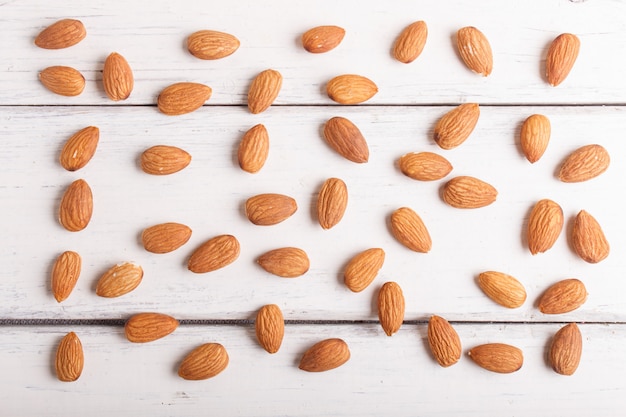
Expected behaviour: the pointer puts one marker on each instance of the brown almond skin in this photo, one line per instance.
(585, 163)
(80, 148)
(566, 349)
(148, 327)
(76, 206)
(410, 43)
(424, 166)
(285, 262)
(332, 201)
(70, 359)
(444, 341)
(351, 89)
(119, 280)
(535, 136)
(63, 80)
(363, 269)
(544, 225)
(204, 362)
(475, 50)
(270, 209)
(502, 288)
(65, 273)
(212, 44)
(346, 139)
(325, 355)
(321, 39)
(497, 357)
(270, 327)
(454, 127)
(254, 149)
(409, 229)
(391, 307)
(61, 34)
(165, 237)
(183, 98)
(561, 57)
(214, 254)
(117, 77)
(562, 297)
(588, 239)
(263, 91)
(468, 193)
(164, 160)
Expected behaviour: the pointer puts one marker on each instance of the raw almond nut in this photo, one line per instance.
(561, 57)
(269, 209)
(363, 269)
(211, 44)
(502, 288)
(270, 327)
(534, 136)
(346, 139)
(76, 206)
(204, 362)
(544, 226)
(61, 34)
(65, 274)
(566, 349)
(165, 237)
(351, 89)
(444, 341)
(325, 355)
(62, 80)
(80, 148)
(410, 42)
(564, 296)
(254, 149)
(409, 229)
(70, 358)
(390, 307)
(119, 280)
(214, 254)
(332, 201)
(148, 327)
(584, 163)
(285, 262)
(117, 77)
(424, 166)
(264, 90)
(588, 238)
(182, 98)
(164, 160)
(454, 127)
(497, 357)
(468, 193)
(475, 50)
(322, 39)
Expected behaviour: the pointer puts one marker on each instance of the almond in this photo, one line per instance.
(410, 42)
(285, 262)
(390, 307)
(588, 238)
(534, 137)
(424, 166)
(80, 148)
(562, 297)
(164, 160)
(254, 149)
(561, 57)
(497, 357)
(346, 139)
(269, 209)
(76, 206)
(165, 237)
(65, 273)
(117, 77)
(211, 44)
(62, 80)
(70, 358)
(119, 280)
(204, 362)
(502, 288)
(148, 327)
(214, 254)
(409, 229)
(332, 201)
(351, 89)
(270, 327)
(264, 90)
(584, 163)
(566, 349)
(544, 226)
(325, 355)
(322, 39)
(182, 98)
(61, 34)
(468, 193)
(363, 269)
(454, 127)
(475, 50)
(444, 341)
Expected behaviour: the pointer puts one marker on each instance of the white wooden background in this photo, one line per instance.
(386, 376)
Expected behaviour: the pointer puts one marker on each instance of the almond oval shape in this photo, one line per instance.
(264, 90)
(165, 237)
(117, 77)
(561, 57)
(212, 44)
(76, 206)
(332, 201)
(585, 163)
(409, 229)
(566, 349)
(502, 288)
(322, 39)
(65, 273)
(270, 327)
(148, 327)
(410, 42)
(254, 149)
(214, 254)
(119, 280)
(63, 80)
(535, 136)
(475, 50)
(444, 341)
(325, 355)
(80, 148)
(269, 209)
(391, 307)
(454, 127)
(424, 166)
(544, 225)
(204, 362)
(61, 34)
(164, 160)
(70, 359)
(562, 297)
(351, 89)
(363, 269)
(346, 139)
(497, 357)
(588, 239)
(285, 262)
(182, 98)
(468, 192)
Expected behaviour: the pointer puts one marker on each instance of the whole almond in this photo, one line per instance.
(70, 359)
(285, 262)
(409, 229)
(332, 201)
(325, 355)
(322, 39)
(270, 327)
(561, 57)
(424, 166)
(534, 137)
(165, 237)
(346, 139)
(566, 349)
(204, 362)
(454, 127)
(214, 254)
(497, 357)
(363, 269)
(164, 160)
(211, 44)
(182, 98)
(61, 34)
(475, 50)
(76, 206)
(584, 163)
(148, 327)
(502, 288)
(117, 77)
(351, 89)
(588, 239)
(544, 226)
(444, 341)
(264, 90)
(119, 280)
(468, 193)
(254, 149)
(562, 297)
(62, 80)
(269, 209)
(65, 273)
(410, 42)
(80, 148)
(390, 307)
